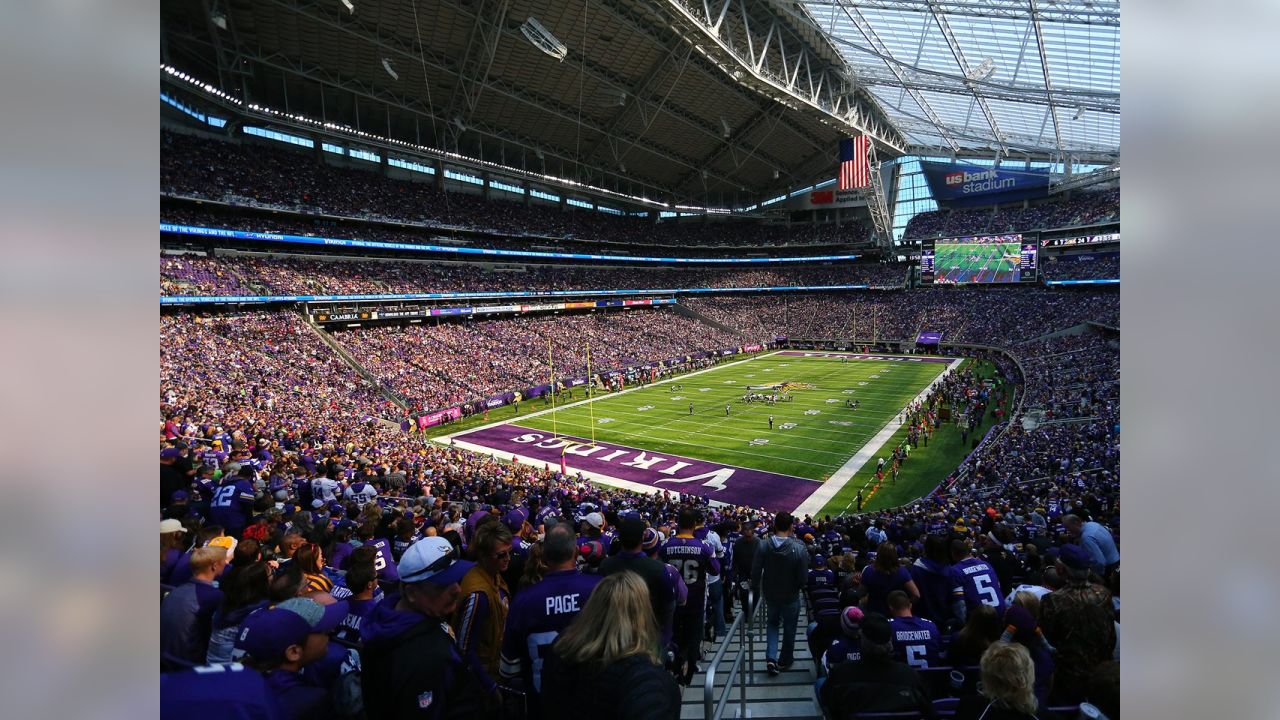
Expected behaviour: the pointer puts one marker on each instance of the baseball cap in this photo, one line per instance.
(169, 526)
(850, 620)
(223, 541)
(432, 559)
(266, 634)
(1074, 557)
(595, 519)
(170, 453)
(178, 495)
(875, 628)
(819, 561)
(515, 519)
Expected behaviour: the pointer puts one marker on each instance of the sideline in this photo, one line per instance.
(841, 477)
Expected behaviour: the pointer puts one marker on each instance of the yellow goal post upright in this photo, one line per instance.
(591, 403)
(551, 364)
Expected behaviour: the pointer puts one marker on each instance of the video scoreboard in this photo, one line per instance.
(980, 259)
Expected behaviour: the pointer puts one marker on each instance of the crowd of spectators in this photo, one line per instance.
(1083, 208)
(293, 515)
(990, 316)
(436, 366)
(292, 180)
(1082, 268)
(190, 274)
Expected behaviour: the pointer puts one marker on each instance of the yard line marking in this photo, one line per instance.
(444, 439)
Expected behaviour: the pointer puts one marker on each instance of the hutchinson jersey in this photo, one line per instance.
(695, 560)
(975, 581)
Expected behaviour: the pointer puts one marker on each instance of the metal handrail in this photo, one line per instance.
(711, 708)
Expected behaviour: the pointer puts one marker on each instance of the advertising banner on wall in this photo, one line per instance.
(962, 185)
(435, 418)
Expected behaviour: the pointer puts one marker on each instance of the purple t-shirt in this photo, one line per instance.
(879, 585)
(536, 617)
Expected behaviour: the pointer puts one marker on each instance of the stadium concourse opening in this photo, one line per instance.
(516, 359)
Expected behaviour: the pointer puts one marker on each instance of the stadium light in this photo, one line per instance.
(542, 39)
(350, 8)
(1079, 113)
(386, 65)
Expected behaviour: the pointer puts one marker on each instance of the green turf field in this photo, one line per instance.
(814, 434)
(962, 262)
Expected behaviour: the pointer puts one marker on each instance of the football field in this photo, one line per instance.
(963, 262)
(696, 433)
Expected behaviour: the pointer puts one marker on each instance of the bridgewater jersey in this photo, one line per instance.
(975, 581)
(537, 616)
(695, 560)
(916, 642)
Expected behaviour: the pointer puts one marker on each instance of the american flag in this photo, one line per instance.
(855, 170)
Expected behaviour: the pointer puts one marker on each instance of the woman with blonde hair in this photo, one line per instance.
(606, 664)
(1008, 686)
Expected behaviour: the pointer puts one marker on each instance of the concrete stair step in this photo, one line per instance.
(760, 710)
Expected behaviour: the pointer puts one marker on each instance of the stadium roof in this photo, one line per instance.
(716, 103)
(1038, 76)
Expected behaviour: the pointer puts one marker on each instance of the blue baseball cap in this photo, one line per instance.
(1074, 557)
(432, 559)
(267, 633)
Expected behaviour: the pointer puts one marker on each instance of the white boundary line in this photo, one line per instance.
(445, 439)
(841, 477)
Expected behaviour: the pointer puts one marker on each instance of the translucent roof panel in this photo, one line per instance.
(979, 74)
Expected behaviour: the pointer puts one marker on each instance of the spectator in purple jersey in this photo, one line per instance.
(362, 582)
(186, 613)
(232, 503)
(916, 641)
(884, 576)
(931, 575)
(281, 640)
(218, 692)
(821, 576)
(382, 563)
(695, 560)
(540, 613)
(778, 572)
(605, 664)
(974, 582)
(845, 647)
(875, 682)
